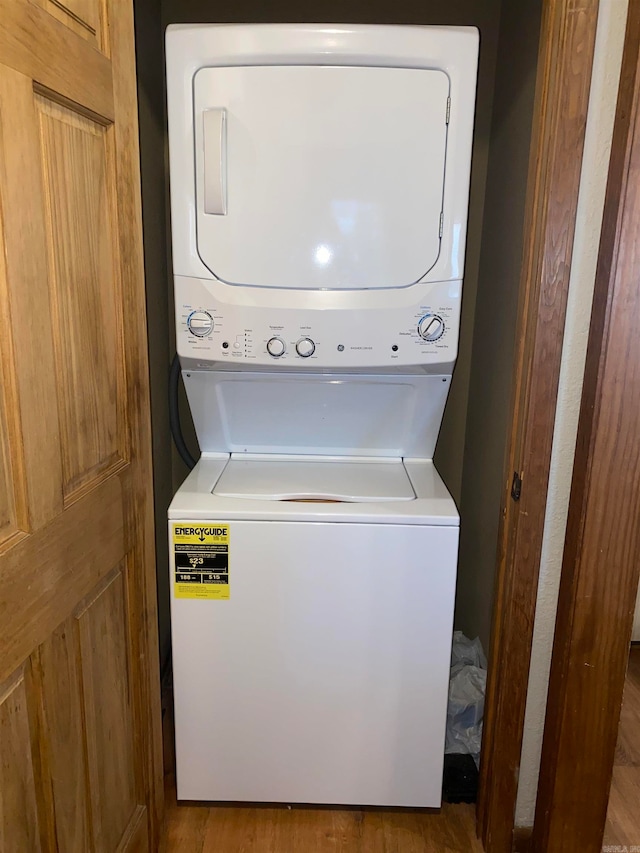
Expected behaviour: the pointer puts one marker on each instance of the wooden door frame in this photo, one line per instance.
(601, 562)
(567, 41)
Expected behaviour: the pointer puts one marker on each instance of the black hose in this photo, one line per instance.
(174, 414)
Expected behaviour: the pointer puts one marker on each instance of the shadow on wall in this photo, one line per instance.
(151, 116)
(151, 19)
(496, 315)
(485, 16)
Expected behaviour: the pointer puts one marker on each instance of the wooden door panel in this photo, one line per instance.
(53, 57)
(81, 16)
(80, 746)
(18, 815)
(136, 838)
(57, 700)
(7, 500)
(59, 566)
(81, 710)
(8, 518)
(28, 311)
(7, 492)
(11, 480)
(104, 656)
(78, 174)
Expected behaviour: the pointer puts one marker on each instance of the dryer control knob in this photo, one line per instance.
(200, 323)
(276, 347)
(305, 347)
(431, 327)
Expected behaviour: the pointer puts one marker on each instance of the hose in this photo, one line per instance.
(174, 415)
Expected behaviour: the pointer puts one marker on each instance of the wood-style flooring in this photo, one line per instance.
(623, 816)
(219, 829)
(238, 829)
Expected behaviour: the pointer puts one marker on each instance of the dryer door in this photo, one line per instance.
(320, 177)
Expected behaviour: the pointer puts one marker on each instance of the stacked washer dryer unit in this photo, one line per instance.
(319, 189)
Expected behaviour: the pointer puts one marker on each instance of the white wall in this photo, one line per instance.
(604, 86)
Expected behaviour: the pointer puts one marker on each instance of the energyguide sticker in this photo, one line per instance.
(201, 565)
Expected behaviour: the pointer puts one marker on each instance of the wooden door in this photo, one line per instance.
(80, 761)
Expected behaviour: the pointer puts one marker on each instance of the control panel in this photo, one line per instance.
(358, 332)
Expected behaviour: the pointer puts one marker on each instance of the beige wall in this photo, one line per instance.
(495, 315)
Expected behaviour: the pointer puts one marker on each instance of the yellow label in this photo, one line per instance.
(201, 559)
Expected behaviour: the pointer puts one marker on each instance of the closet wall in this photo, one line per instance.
(470, 448)
(493, 344)
(149, 16)
(151, 117)
(485, 16)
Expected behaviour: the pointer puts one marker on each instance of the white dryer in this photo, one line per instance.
(319, 183)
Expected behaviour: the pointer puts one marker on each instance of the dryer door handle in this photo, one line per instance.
(215, 161)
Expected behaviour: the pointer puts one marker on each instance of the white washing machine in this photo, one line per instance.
(319, 183)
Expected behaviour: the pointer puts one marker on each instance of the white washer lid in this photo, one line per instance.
(318, 479)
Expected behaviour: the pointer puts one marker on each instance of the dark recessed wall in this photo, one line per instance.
(495, 315)
(151, 116)
(485, 16)
(471, 442)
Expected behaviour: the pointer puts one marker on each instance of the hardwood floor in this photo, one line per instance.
(623, 816)
(209, 828)
(236, 829)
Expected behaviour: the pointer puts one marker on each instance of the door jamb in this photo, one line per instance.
(567, 40)
(601, 561)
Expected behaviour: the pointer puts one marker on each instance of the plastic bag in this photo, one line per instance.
(466, 651)
(467, 687)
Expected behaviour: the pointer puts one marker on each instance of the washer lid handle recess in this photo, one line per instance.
(318, 480)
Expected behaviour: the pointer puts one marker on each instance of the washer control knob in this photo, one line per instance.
(200, 323)
(431, 327)
(276, 347)
(305, 347)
